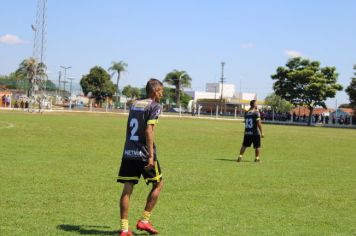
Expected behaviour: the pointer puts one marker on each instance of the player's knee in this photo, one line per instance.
(158, 185)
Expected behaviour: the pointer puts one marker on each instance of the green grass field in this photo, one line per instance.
(58, 177)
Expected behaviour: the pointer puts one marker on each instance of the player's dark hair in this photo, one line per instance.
(152, 85)
(252, 103)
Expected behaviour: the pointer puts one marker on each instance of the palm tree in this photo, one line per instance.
(179, 79)
(34, 72)
(117, 67)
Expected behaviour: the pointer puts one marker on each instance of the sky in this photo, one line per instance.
(154, 37)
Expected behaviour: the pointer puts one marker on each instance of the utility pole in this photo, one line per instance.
(65, 68)
(59, 82)
(70, 96)
(222, 80)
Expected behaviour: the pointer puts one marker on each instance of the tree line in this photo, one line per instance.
(301, 82)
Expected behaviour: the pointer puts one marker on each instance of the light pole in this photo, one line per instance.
(59, 82)
(70, 96)
(179, 86)
(64, 87)
(65, 68)
(222, 84)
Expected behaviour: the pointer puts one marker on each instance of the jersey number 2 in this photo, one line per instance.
(134, 126)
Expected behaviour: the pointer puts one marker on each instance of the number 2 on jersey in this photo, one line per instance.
(134, 126)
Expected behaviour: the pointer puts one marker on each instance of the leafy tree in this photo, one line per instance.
(117, 68)
(303, 82)
(131, 92)
(277, 103)
(98, 83)
(34, 72)
(179, 79)
(351, 90)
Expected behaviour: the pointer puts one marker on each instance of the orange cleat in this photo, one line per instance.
(146, 227)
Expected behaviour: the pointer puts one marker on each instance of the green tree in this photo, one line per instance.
(303, 82)
(351, 90)
(278, 104)
(34, 72)
(98, 83)
(131, 92)
(179, 79)
(117, 68)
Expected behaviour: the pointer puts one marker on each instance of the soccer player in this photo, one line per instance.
(139, 157)
(253, 131)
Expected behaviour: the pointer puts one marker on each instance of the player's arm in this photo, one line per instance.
(149, 132)
(259, 125)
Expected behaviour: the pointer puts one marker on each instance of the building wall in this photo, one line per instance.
(228, 89)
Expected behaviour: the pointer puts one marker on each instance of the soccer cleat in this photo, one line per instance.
(146, 227)
(239, 159)
(126, 233)
(257, 160)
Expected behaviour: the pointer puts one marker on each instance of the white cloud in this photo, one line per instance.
(11, 39)
(292, 53)
(247, 45)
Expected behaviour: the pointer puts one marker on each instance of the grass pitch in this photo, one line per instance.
(58, 177)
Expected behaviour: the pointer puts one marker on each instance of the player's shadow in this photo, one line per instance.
(91, 230)
(229, 159)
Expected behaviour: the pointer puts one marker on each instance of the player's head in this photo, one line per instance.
(154, 89)
(253, 104)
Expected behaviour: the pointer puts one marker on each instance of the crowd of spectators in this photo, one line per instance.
(269, 115)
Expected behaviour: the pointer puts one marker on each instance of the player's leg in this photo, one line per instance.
(257, 154)
(125, 199)
(245, 144)
(242, 151)
(124, 208)
(154, 176)
(153, 196)
(257, 146)
(129, 175)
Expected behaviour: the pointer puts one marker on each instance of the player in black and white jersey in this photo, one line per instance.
(253, 131)
(140, 158)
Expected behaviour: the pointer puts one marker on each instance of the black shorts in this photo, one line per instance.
(249, 139)
(131, 171)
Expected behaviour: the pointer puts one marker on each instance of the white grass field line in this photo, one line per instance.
(8, 125)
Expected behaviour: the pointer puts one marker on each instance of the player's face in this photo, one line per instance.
(158, 94)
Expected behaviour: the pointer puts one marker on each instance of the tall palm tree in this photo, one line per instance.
(34, 72)
(179, 79)
(117, 67)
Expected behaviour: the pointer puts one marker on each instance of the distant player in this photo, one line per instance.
(253, 131)
(139, 157)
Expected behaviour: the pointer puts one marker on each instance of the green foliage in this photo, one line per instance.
(351, 90)
(65, 178)
(34, 72)
(131, 92)
(50, 86)
(169, 95)
(278, 104)
(304, 82)
(98, 83)
(179, 79)
(118, 68)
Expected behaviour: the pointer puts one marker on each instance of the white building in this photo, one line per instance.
(213, 91)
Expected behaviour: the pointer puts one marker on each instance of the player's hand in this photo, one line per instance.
(150, 164)
(262, 135)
